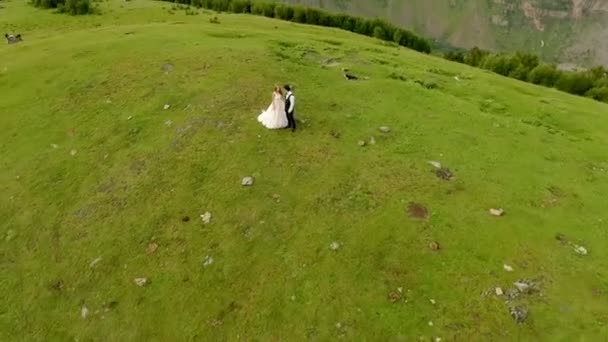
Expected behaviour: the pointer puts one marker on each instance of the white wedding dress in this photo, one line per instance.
(274, 117)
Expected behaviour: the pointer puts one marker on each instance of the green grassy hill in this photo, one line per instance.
(101, 185)
(566, 31)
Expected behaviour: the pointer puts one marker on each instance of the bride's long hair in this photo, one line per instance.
(277, 89)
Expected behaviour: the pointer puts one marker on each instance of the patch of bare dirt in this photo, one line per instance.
(417, 210)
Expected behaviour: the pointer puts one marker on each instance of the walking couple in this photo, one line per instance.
(280, 113)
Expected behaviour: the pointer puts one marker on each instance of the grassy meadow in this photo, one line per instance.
(100, 185)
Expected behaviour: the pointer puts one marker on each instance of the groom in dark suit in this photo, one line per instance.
(290, 105)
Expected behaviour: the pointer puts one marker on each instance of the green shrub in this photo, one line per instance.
(574, 83)
(73, 7)
(299, 15)
(598, 93)
(544, 74)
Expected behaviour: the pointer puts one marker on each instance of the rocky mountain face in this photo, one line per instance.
(565, 31)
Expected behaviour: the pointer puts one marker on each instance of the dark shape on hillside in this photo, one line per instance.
(348, 75)
(185, 218)
(214, 20)
(417, 210)
(444, 173)
(12, 39)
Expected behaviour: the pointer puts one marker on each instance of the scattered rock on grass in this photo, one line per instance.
(434, 246)
(497, 212)
(168, 123)
(435, 164)
(580, 249)
(141, 282)
(84, 312)
(167, 67)
(507, 268)
(519, 313)
(334, 246)
(151, 248)
(394, 296)
(167, 106)
(361, 143)
(95, 262)
(444, 173)
(384, 129)
(499, 291)
(208, 261)
(372, 141)
(247, 181)
(73, 152)
(206, 217)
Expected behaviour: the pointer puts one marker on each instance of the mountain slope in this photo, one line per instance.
(101, 185)
(568, 31)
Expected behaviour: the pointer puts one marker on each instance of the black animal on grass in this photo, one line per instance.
(12, 39)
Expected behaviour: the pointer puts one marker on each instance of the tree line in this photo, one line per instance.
(527, 67)
(73, 7)
(376, 28)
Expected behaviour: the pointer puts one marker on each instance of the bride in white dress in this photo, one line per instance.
(274, 117)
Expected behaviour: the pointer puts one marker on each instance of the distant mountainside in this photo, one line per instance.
(565, 31)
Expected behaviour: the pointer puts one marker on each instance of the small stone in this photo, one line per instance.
(167, 67)
(141, 282)
(168, 123)
(522, 287)
(276, 197)
(152, 247)
(208, 261)
(497, 212)
(167, 106)
(84, 312)
(434, 245)
(499, 291)
(206, 217)
(372, 141)
(431, 323)
(435, 164)
(437, 339)
(130, 117)
(384, 129)
(444, 173)
(394, 296)
(247, 181)
(338, 325)
(507, 268)
(519, 313)
(432, 301)
(400, 289)
(334, 246)
(54, 146)
(73, 152)
(580, 250)
(361, 143)
(94, 262)
(10, 234)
